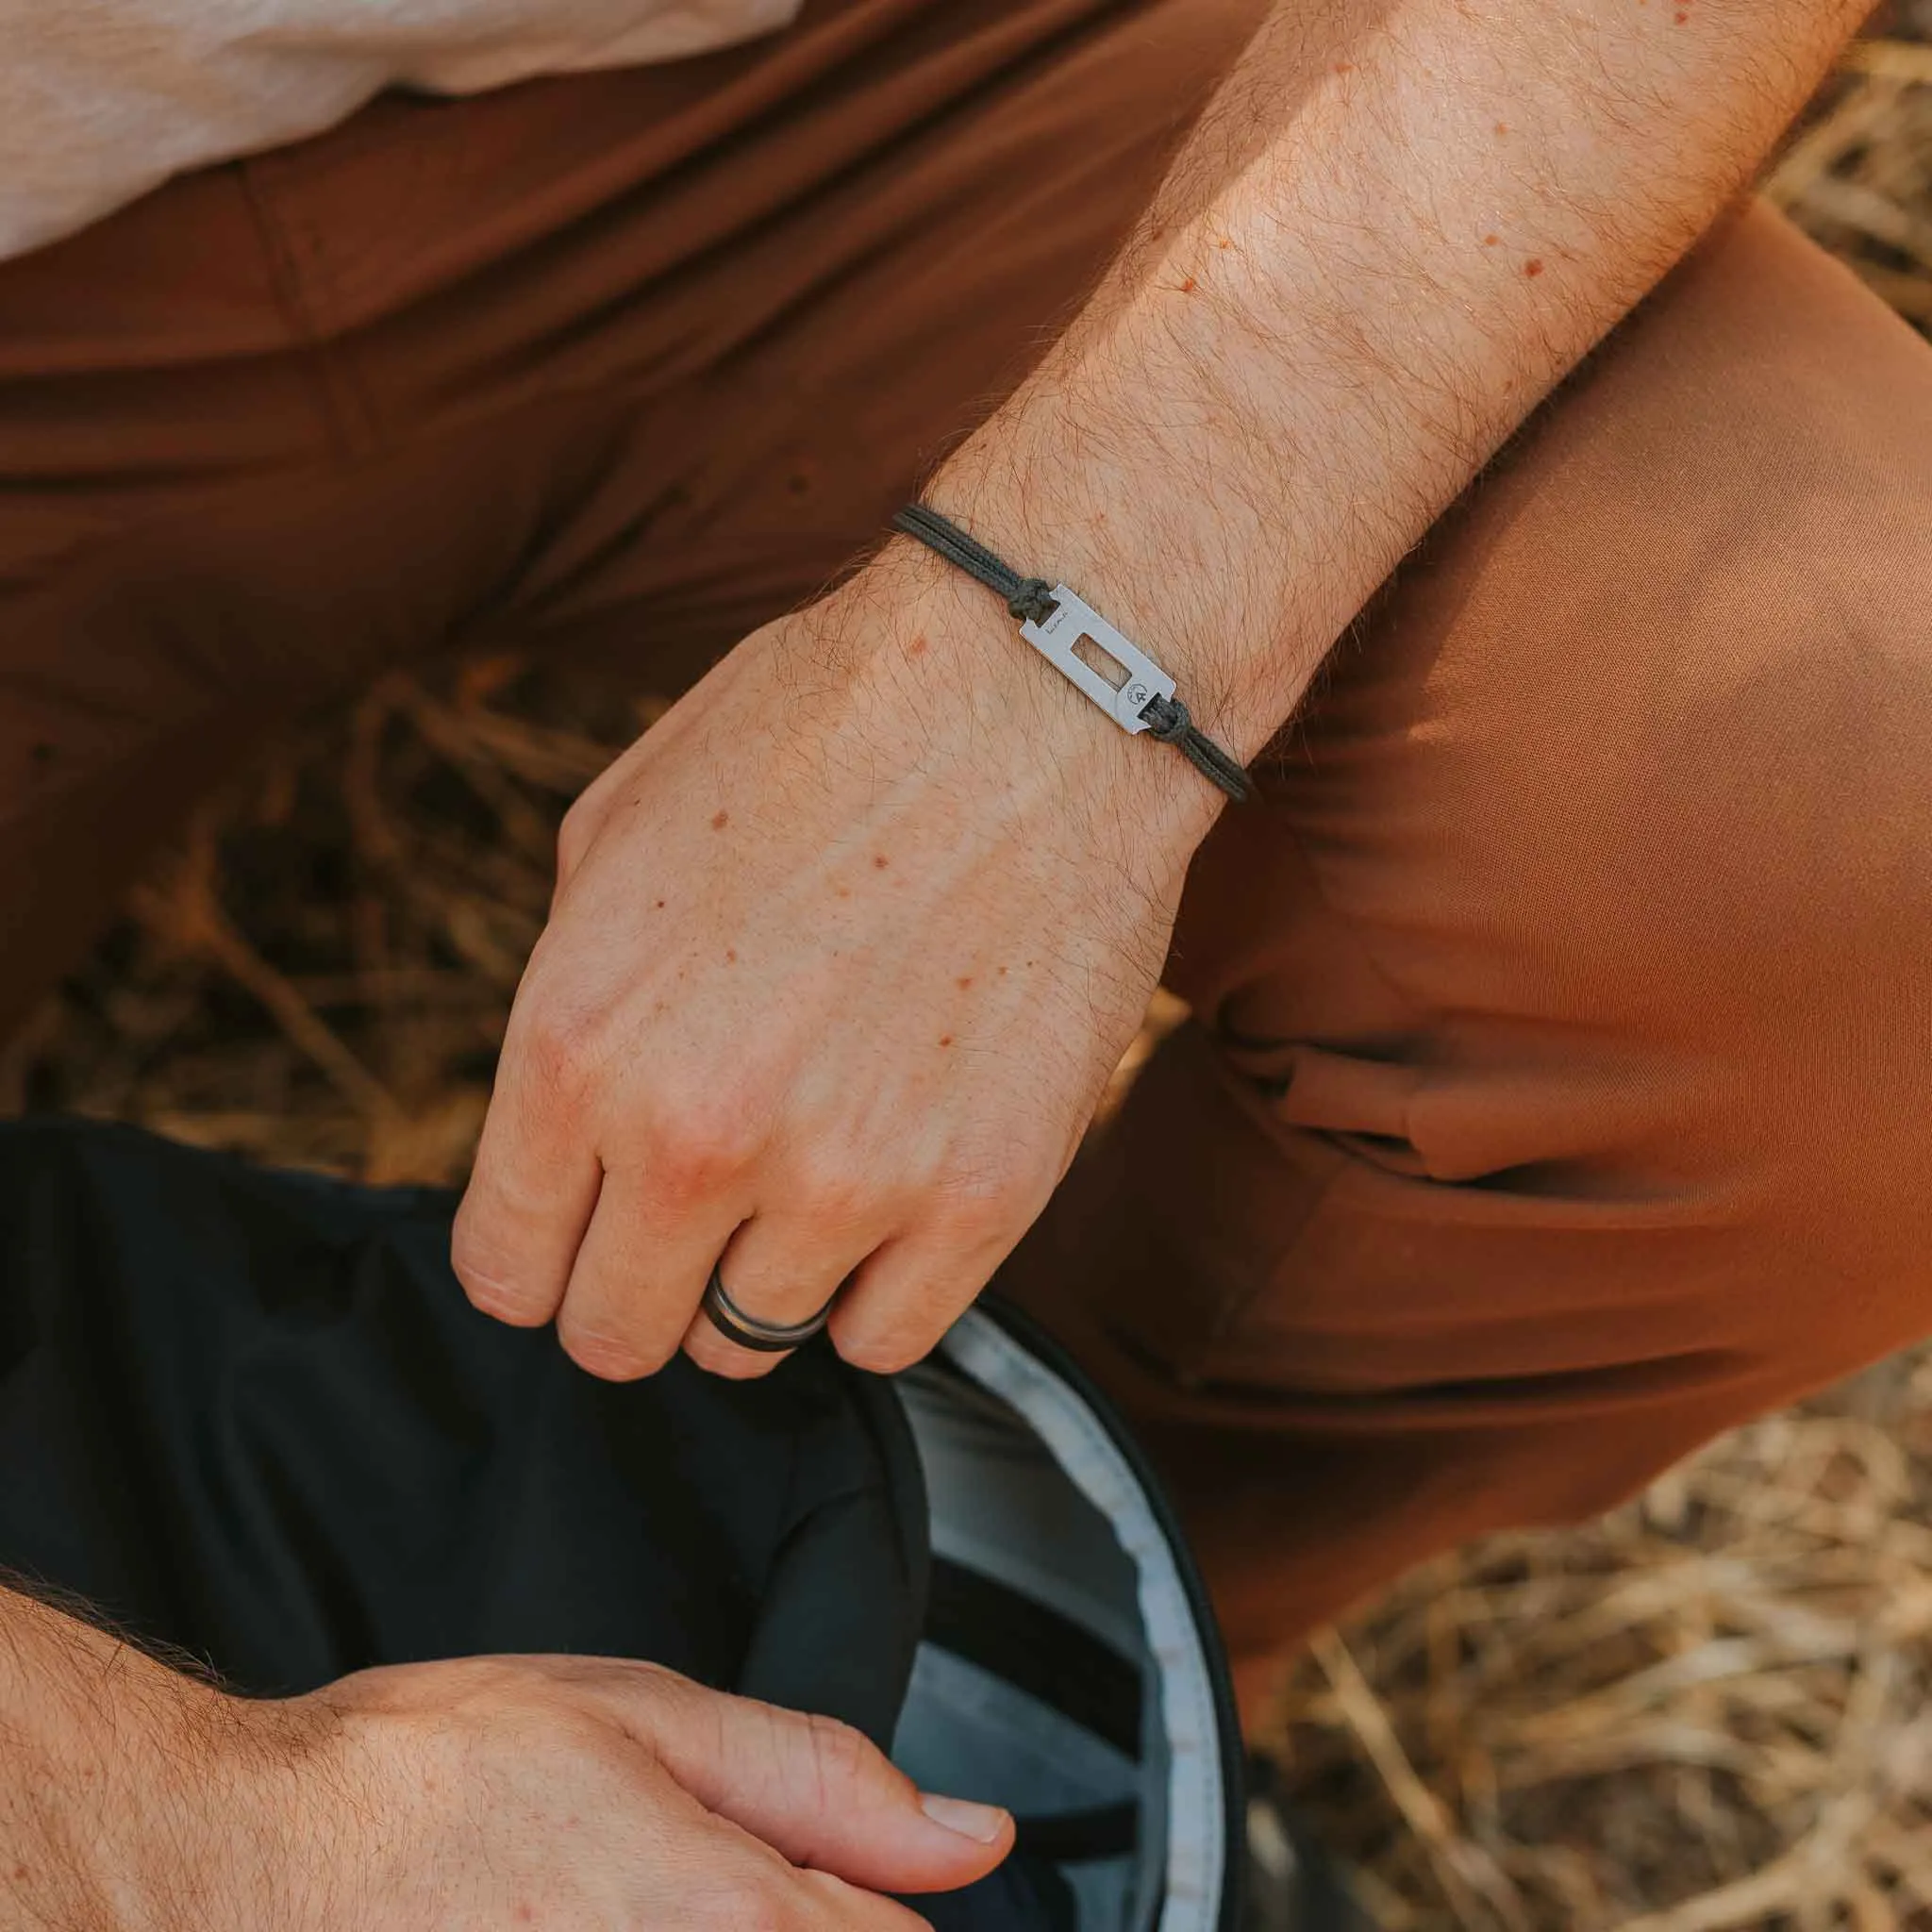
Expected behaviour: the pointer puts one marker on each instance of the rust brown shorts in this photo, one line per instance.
(1555, 1094)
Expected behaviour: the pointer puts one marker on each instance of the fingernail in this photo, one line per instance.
(982, 1824)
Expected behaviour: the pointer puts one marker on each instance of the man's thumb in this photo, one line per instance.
(821, 1795)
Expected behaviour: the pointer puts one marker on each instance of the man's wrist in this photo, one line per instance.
(944, 646)
(133, 1796)
(93, 1738)
(168, 1822)
(1082, 491)
(249, 1810)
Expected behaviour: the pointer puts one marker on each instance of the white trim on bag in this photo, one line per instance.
(1197, 1801)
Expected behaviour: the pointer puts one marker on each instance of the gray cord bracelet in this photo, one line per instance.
(1083, 647)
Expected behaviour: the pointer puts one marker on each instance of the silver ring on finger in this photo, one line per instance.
(748, 1331)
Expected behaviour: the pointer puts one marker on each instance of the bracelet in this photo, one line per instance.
(1084, 648)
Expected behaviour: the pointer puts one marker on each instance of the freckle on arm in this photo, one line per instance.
(1533, 266)
(719, 820)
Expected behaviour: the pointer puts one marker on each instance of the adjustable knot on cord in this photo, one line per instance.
(1029, 600)
(1032, 602)
(1167, 719)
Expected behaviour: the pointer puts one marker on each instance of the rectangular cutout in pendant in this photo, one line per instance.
(1099, 660)
(1110, 669)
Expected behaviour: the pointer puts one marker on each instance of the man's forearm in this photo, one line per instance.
(1399, 225)
(64, 1692)
(105, 1759)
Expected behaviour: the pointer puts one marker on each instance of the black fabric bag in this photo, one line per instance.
(250, 1415)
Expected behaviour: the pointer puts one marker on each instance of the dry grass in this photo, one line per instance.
(1707, 1712)
(320, 973)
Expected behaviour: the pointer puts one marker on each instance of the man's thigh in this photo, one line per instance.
(1588, 896)
(624, 364)
(1562, 1011)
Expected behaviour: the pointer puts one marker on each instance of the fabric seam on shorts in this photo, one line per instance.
(345, 408)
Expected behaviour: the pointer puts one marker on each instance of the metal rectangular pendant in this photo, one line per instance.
(1089, 652)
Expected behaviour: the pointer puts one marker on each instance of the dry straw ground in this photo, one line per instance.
(1708, 1712)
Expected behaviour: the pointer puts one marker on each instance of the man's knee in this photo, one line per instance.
(1567, 988)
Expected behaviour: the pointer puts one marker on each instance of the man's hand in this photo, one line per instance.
(843, 951)
(588, 1794)
(842, 956)
(583, 1794)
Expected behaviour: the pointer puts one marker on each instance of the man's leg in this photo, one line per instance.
(1563, 1015)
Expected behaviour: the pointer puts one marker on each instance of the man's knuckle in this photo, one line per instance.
(836, 1189)
(889, 1350)
(574, 837)
(699, 1141)
(758, 1903)
(576, 1736)
(611, 1356)
(852, 1910)
(488, 1276)
(487, 1291)
(841, 1758)
(559, 1047)
(980, 1204)
(682, 1170)
(990, 1189)
(570, 851)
